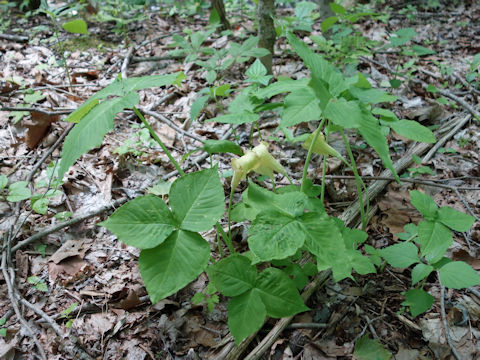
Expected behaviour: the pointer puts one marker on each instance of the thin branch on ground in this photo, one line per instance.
(36, 109)
(410, 180)
(14, 303)
(444, 320)
(170, 124)
(126, 61)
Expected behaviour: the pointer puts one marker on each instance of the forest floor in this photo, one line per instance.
(79, 289)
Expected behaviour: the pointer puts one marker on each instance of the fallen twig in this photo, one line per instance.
(36, 109)
(444, 320)
(14, 304)
(126, 61)
(17, 38)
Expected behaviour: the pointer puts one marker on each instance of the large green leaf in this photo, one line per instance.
(360, 263)
(197, 200)
(300, 106)
(400, 255)
(346, 114)
(281, 86)
(279, 294)
(458, 275)
(434, 238)
(144, 222)
(418, 301)
(260, 199)
(246, 314)
(320, 69)
(275, 235)
(454, 219)
(121, 87)
(233, 275)
(324, 240)
(371, 131)
(420, 272)
(371, 96)
(424, 204)
(370, 349)
(169, 267)
(413, 130)
(89, 133)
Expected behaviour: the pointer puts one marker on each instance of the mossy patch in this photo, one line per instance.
(84, 43)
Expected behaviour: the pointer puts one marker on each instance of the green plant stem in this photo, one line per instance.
(219, 243)
(227, 239)
(157, 139)
(309, 154)
(358, 181)
(324, 173)
(62, 52)
(230, 200)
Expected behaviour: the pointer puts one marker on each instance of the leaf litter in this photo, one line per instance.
(101, 273)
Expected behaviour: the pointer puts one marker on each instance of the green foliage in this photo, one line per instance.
(77, 26)
(38, 283)
(434, 237)
(173, 253)
(95, 117)
(254, 296)
(370, 349)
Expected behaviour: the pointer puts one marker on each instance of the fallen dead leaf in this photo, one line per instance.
(68, 249)
(37, 127)
(68, 271)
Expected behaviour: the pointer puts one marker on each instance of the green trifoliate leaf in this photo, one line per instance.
(410, 232)
(361, 264)
(3, 181)
(353, 237)
(418, 301)
(413, 130)
(275, 235)
(89, 132)
(18, 191)
(233, 275)
(369, 349)
(424, 204)
(434, 239)
(346, 114)
(454, 219)
(300, 106)
(371, 96)
(401, 255)
(257, 72)
(458, 275)
(170, 266)
(197, 106)
(40, 206)
(371, 131)
(279, 294)
(222, 146)
(77, 26)
(420, 272)
(197, 200)
(260, 199)
(246, 314)
(422, 51)
(281, 86)
(144, 222)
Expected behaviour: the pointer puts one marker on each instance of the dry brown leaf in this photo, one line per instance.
(68, 271)
(68, 249)
(37, 127)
